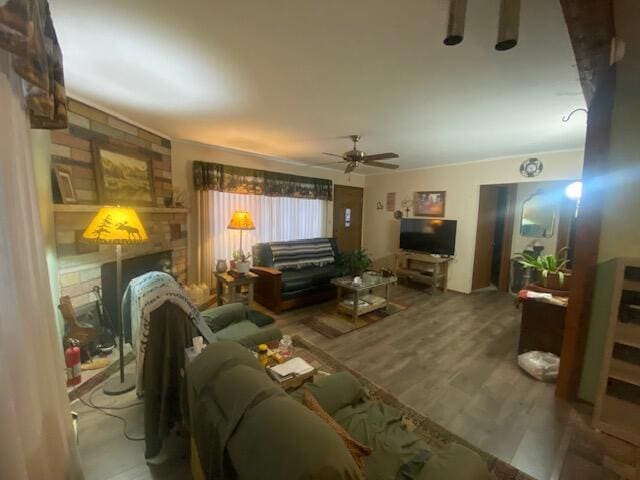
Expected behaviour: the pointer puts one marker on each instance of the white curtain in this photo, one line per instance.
(37, 439)
(275, 218)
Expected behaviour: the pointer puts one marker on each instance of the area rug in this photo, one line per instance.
(333, 324)
(436, 436)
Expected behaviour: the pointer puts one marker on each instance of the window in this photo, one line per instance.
(275, 218)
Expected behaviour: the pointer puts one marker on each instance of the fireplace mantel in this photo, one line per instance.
(60, 208)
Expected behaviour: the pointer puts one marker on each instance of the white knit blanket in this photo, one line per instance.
(146, 293)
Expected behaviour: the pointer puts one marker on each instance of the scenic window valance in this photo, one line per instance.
(226, 178)
(27, 33)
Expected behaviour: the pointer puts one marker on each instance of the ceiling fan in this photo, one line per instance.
(354, 157)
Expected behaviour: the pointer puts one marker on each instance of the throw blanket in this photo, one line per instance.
(315, 252)
(146, 293)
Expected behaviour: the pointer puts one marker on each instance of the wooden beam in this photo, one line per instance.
(591, 28)
(588, 225)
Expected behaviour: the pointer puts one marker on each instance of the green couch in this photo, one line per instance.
(235, 322)
(246, 427)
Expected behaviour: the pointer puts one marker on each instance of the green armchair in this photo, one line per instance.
(235, 322)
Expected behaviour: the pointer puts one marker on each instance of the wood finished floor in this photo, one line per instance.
(453, 358)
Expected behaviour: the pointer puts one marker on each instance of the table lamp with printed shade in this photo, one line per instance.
(241, 220)
(117, 226)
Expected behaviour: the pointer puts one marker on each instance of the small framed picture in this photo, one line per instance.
(429, 204)
(65, 184)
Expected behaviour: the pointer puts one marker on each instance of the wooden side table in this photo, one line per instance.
(229, 288)
(423, 268)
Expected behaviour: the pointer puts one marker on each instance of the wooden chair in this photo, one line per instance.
(84, 333)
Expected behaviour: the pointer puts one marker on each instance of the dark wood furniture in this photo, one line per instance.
(542, 327)
(268, 292)
(229, 289)
(84, 333)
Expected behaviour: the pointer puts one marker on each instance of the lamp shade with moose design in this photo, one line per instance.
(116, 226)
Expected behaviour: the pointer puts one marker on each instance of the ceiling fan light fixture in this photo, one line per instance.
(508, 25)
(455, 27)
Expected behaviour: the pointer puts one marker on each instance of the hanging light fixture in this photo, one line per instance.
(508, 25)
(455, 28)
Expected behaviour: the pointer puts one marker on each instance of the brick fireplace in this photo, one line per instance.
(79, 263)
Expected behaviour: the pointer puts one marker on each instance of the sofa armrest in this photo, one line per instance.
(268, 287)
(266, 271)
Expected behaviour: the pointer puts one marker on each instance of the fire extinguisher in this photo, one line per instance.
(72, 360)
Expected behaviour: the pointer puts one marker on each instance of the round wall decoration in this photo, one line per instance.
(531, 167)
(397, 214)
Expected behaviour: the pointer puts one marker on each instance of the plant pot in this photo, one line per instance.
(553, 282)
(553, 285)
(243, 267)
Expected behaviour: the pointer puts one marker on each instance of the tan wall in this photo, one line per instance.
(620, 235)
(462, 184)
(184, 153)
(40, 150)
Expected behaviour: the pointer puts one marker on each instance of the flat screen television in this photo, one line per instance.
(428, 235)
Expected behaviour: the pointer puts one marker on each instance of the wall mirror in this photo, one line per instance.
(538, 216)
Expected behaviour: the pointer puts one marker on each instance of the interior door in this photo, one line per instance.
(347, 217)
(485, 236)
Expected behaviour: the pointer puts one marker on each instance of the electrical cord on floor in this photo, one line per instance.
(103, 410)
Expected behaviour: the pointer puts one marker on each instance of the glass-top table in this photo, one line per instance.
(362, 299)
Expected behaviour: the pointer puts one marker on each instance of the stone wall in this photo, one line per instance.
(80, 263)
(72, 148)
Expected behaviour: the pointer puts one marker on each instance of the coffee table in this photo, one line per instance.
(360, 291)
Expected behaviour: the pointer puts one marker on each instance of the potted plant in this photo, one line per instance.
(551, 268)
(242, 264)
(356, 262)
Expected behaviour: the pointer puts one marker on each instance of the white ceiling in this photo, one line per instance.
(288, 78)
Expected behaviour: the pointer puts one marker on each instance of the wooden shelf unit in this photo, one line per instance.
(423, 268)
(617, 402)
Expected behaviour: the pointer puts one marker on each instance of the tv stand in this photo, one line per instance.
(423, 268)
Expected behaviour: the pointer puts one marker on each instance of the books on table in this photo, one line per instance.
(295, 366)
(373, 299)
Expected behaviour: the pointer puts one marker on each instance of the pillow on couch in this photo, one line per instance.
(334, 392)
(221, 317)
(357, 450)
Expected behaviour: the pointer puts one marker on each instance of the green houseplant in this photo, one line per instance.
(551, 267)
(242, 261)
(356, 262)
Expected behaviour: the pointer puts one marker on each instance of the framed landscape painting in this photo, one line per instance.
(123, 176)
(429, 204)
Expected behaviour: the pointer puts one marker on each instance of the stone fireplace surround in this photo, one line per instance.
(80, 264)
(80, 270)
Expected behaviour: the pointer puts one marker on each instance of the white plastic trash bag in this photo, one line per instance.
(542, 366)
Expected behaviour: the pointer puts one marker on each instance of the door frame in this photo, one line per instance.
(507, 235)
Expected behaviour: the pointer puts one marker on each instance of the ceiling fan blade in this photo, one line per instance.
(382, 165)
(380, 156)
(322, 164)
(351, 167)
(332, 154)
